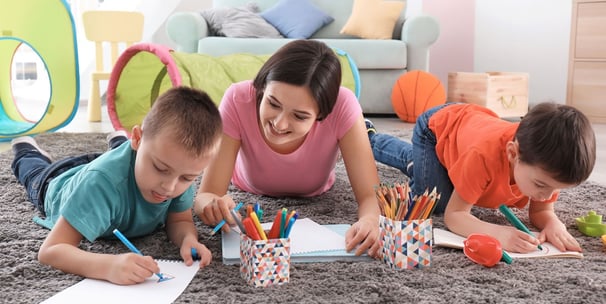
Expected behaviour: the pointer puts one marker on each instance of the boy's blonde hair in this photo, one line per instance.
(189, 115)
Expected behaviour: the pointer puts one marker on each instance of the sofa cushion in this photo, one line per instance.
(386, 54)
(239, 22)
(296, 18)
(373, 19)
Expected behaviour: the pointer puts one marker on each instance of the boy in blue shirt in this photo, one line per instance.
(137, 187)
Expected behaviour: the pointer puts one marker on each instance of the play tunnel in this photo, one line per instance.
(144, 71)
(47, 27)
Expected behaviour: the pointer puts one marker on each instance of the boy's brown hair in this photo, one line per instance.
(190, 116)
(559, 139)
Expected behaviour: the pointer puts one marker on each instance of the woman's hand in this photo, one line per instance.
(215, 210)
(363, 234)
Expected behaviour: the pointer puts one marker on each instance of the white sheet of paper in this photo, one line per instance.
(150, 291)
(309, 236)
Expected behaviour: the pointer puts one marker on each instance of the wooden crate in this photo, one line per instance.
(504, 93)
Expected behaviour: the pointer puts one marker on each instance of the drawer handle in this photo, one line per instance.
(508, 104)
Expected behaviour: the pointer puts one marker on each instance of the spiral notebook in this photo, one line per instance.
(310, 242)
(445, 238)
(150, 291)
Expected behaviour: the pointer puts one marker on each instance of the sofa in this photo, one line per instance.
(374, 33)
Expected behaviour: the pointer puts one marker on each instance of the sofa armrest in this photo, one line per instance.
(186, 29)
(419, 33)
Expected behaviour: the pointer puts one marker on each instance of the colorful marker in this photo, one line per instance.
(291, 223)
(194, 254)
(511, 217)
(222, 222)
(255, 220)
(234, 214)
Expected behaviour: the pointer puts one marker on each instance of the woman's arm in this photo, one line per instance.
(60, 250)
(212, 204)
(363, 177)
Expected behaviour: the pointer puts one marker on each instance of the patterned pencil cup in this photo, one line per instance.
(265, 263)
(406, 244)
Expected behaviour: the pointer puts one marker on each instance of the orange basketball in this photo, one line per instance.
(414, 93)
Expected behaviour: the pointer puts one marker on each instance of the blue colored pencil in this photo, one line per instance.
(132, 248)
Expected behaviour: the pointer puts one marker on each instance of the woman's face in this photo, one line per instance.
(286, 114)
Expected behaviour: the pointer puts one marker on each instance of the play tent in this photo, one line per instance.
(48, 28)
(144, 71)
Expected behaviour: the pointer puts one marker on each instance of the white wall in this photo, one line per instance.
(155, 12)
(514, 36)
(526, 36)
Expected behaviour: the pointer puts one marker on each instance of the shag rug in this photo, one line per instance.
(451, 278)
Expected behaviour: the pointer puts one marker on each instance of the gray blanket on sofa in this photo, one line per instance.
(451, 278)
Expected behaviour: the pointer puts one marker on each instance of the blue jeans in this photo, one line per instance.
(34, 171)
(425, 170)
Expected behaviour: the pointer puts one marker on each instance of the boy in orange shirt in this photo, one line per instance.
(474, 158)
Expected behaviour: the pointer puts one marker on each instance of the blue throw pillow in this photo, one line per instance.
(296, 18)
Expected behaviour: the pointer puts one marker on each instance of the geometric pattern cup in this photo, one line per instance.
(405, 244)
(264, 263)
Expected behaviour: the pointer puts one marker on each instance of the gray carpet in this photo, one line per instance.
(452, 278)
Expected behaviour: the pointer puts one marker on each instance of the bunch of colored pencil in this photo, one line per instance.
(251, 224)
(396, 202)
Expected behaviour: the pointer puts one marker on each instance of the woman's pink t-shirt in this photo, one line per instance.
(308, 171)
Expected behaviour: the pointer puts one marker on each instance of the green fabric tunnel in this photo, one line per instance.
(144, 71)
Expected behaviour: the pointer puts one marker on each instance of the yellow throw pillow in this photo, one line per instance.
(373, 19)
